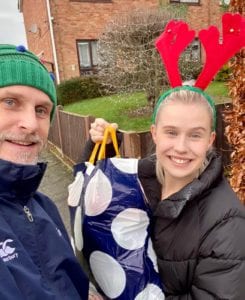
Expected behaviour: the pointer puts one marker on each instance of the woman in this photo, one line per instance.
(198, 222)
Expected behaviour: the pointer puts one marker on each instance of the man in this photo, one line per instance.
(37, 260)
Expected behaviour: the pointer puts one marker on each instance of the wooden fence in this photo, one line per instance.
(69, 133)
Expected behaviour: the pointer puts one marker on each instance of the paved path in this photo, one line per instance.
(55, 183)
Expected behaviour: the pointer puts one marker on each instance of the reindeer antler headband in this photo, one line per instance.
(177, 36)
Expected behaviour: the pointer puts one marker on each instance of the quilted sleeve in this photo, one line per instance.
(220, 272)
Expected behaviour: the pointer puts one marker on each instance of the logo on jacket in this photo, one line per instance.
(7, 252)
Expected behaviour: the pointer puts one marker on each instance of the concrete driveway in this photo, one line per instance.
(55, 182)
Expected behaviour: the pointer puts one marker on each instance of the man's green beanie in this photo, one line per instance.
(19, 66)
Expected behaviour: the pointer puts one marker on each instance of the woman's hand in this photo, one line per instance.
(97, 130)
(94, 296)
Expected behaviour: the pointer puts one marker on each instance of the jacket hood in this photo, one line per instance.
(199, 187)
(18, 180)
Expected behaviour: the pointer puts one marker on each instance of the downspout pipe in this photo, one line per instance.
(53, 43)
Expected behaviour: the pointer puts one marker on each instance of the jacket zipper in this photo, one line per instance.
(28, 214)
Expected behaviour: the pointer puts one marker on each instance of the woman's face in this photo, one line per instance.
(182, 135)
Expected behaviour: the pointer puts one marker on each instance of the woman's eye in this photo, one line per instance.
(195, 135)
(171, 133)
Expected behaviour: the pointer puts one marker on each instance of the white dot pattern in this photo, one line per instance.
(78, 237)
(115, 221)
(75, 189)
(98, 194)
(113, 278)
(129, 228)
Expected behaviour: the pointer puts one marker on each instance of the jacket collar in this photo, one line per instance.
(172, 207)
(18, 180)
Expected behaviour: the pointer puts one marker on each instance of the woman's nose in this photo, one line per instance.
(180, 144)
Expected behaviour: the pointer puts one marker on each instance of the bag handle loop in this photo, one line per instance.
(101, 146)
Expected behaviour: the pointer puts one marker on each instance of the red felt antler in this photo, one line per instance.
(177, 36)
(170, 44)
(218, 51)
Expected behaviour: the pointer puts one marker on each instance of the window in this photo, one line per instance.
(224, 2)
(87, 53)
(186, 1)
(193, 51)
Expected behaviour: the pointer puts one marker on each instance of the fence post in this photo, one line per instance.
(60, 108)
(87, 121)
(131, 144)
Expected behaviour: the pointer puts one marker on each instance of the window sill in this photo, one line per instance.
(92, 1)
(186, 3)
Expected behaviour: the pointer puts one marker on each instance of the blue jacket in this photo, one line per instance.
(36, 259)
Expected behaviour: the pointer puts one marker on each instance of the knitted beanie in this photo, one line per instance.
(19, 66)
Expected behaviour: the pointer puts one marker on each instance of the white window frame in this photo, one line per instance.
(91, 63)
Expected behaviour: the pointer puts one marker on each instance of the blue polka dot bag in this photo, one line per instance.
(111, 221)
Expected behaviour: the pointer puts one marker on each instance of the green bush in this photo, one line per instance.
(189, 69)
(79, 88)
(223, 74)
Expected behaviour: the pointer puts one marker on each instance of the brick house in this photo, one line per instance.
(64, 33)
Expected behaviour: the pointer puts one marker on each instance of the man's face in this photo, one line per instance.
(24, 123)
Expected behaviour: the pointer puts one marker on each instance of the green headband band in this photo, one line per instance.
(188, 88)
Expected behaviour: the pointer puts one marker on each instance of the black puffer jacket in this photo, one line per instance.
(198, 234)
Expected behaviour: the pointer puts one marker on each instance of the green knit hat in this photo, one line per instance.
(19, 66)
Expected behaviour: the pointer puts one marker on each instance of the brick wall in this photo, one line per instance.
(203, 15)
(74, 20)
(37, 29)
(83, 20)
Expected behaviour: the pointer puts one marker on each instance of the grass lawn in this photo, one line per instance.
(131, 112)
(219, 91)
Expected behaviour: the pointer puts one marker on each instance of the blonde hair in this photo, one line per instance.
(187, 97)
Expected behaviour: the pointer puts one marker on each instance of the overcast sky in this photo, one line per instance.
(11, 23)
